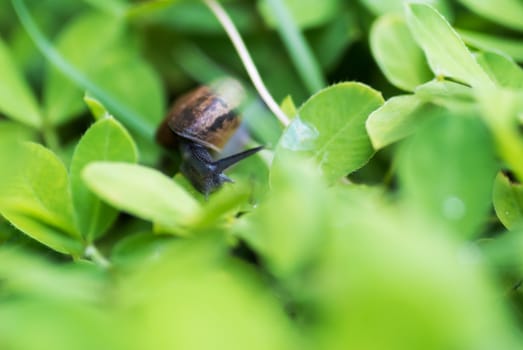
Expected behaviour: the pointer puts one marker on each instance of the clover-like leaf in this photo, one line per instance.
(446, 53)
(37, 200)
(397, 54)
(382, 7)
(447, 170)
(508, 201)
(95, 32)
(501, 69)
(330, 128)
(105, 140)
(16, 98)
(396, 119)
(504, 12)
(487, 42)
(144, 192)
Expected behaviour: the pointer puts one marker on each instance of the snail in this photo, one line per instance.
(201, 122)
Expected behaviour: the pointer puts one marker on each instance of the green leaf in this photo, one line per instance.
(113, 74)
(130, 118)
(501, 108)
(16, 98)
(288, 107)
(396, 119)
(454, 96)
(446, 53)
(288, 247)
(96, 107)
(508, 201)
(139, 247)
(504, 12)
(105, 140)
(447, 171)
(397, 54)
(331, 41)
(143, 192)
(306, 13)
(37, 200)
(502, 70)
(382, 7)
(330, 128)
(367, 272)
(299, 51)
(511, 47)
(83, 43)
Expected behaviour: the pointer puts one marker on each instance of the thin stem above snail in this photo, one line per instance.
(202, 121)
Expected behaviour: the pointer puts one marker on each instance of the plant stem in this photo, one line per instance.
(297, 47)
(94, 254)
(245, 57)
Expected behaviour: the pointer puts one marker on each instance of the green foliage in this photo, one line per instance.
(16, 98)
(142, 191)
(508, 201)
(395, 50)
(330, 127)
(366, 223)
(105, 140)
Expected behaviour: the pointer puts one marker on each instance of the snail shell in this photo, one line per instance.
(203, 120)
(206, 115)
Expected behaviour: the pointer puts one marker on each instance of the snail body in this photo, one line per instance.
(199, 123)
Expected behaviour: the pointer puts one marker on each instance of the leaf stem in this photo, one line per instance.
(92, 253)
(245, 57)
(297, 47)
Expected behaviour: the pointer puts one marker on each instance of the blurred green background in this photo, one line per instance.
(373, 266)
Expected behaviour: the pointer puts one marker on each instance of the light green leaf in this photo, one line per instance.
(445, 51)
(288, 107)
(505, 12)
(502, 70)
(130, 118)
(37, 200)
(447, 171)
(115, 70)
(330, 128)
(382, 7)
(83, 43)
(16, 98)
(454, 96)
(143, 192)
(288, 247)
(96, 107)
(500, 109)
(105, 140)
(396, 119)
(397, 54)
(511, 47)
(306, 13)
(508, 201)
(121, 66)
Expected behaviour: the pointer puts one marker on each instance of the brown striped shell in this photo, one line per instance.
(202, 116)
